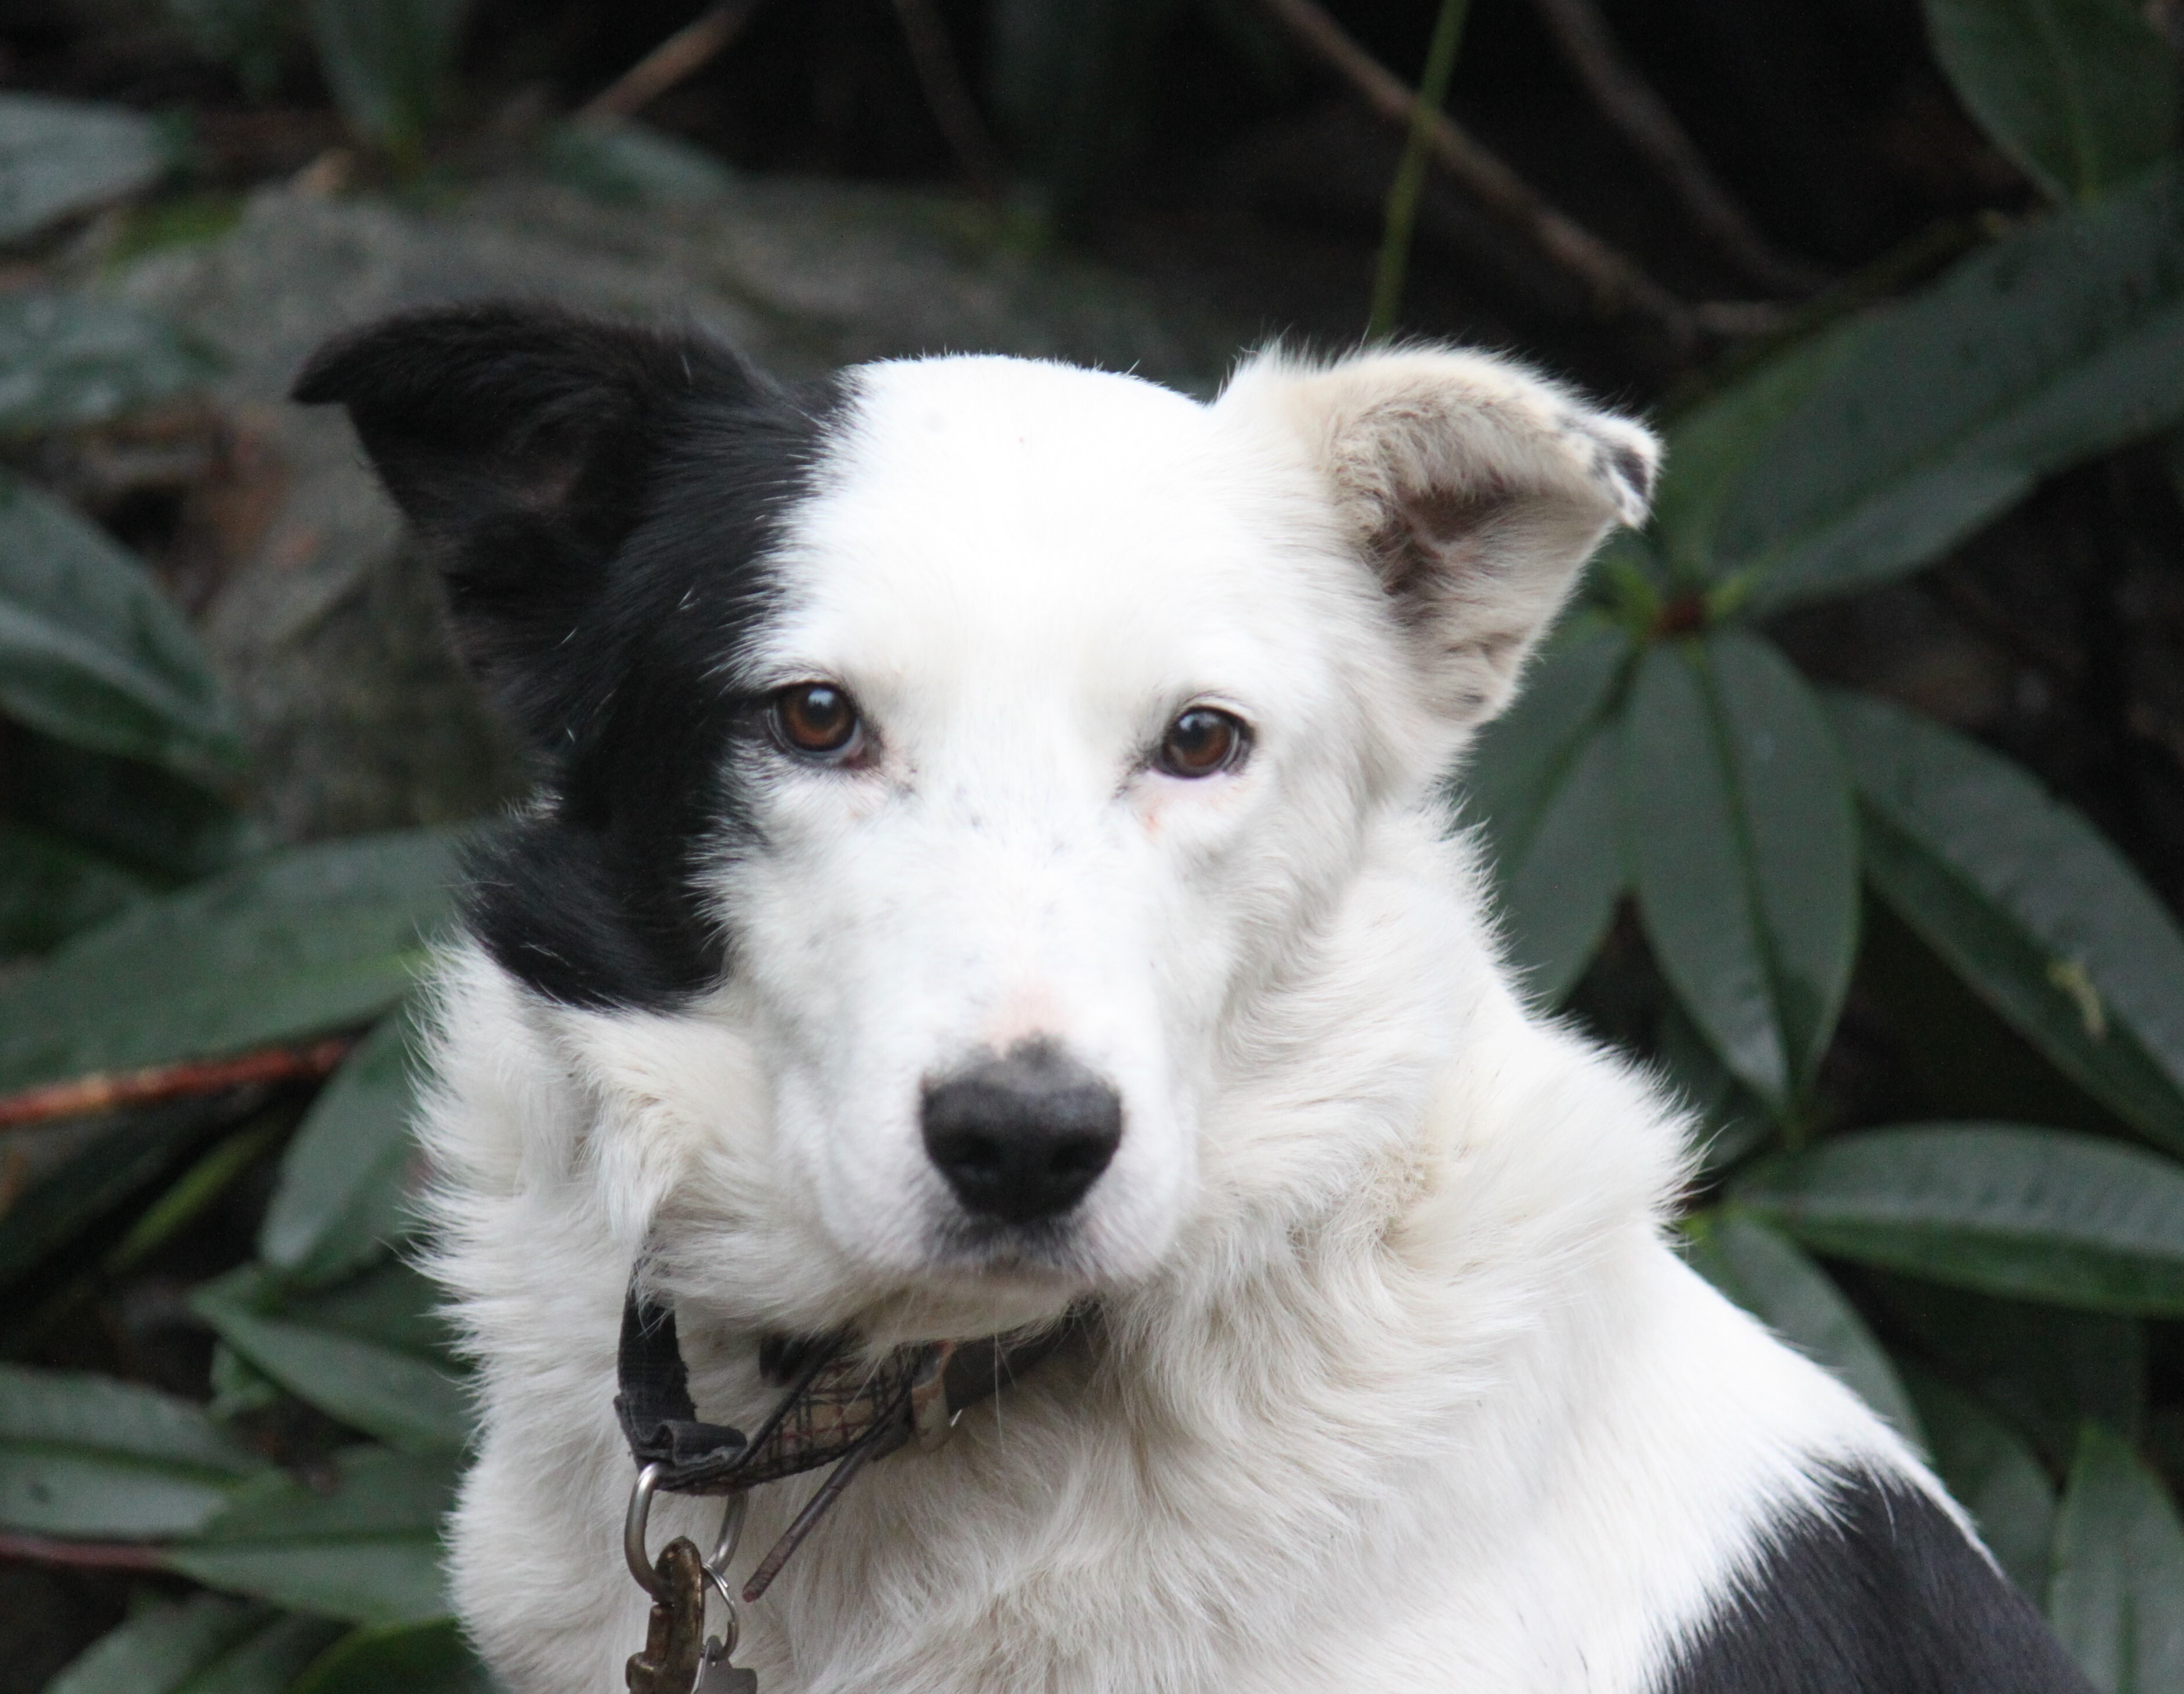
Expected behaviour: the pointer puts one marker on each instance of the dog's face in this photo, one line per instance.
(1057, 748)
(973, 743)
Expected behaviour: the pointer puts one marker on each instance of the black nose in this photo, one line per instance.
(1021, 1137)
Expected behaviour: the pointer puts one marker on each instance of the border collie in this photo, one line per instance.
(991, 876)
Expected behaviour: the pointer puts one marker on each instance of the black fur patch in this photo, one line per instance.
(602, 501)
(1884, 1595)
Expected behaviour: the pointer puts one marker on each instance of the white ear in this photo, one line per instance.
(1473, 488)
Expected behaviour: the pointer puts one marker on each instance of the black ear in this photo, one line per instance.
(523, 443)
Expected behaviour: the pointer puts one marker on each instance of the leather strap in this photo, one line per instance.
(659, 1418)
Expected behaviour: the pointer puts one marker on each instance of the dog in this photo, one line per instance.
(992, 876)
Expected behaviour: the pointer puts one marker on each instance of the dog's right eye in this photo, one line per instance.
(818, 719)
(1203, 742)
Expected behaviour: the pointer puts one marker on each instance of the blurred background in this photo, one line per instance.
(1850, 797)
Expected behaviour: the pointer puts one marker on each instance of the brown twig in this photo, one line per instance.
(1629, 102)
(1742, 320)
(1617, 284)
(147, 1087)
(946, 95)
(680, 56)
(79, 1555)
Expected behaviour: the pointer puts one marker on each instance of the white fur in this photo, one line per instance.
(1396, 1383)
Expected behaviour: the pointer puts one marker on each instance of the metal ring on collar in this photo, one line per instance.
(632, 1532)
(636, 1521)
(720, 1647)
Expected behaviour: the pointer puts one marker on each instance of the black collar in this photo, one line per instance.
(837, 1405)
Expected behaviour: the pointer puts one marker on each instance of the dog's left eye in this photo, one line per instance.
(1203, 742)
(818, 719)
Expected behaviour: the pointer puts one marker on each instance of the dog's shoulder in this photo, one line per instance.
(1879, 1592)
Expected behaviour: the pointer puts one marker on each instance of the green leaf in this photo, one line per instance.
(2055, 344)
(1741, 832)
(1993, 1475)
(417, 1659)
(1560, 896)
(1950, 1043)
(2012, 973)
(249, 36)
(1765, 1273)
(391, 1305)
(1692, 872)
(1542, 783)
(1514, 765)
(2045, 1370)
(2030, 903)
(145, 819)
(83, 1455)
(366, 1550)
(304, 941)
(2000, 1208)
(342, 1194)
(67, 360)
(239, 1388)
(1732, 1124)
(50, 890)
(268, 1661)
(1800, 831)
(90, 651)
(162, 1648)
(388, 63)
(2081, 93)
(409, 1401)
(121, 1417)
(1709, 450)
(58, 156)
(2116, 1598)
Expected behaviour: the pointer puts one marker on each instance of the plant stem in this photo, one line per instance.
(186, 1199)
(682, 54)
(1411, 174)
(934, 59)
(1618, 286)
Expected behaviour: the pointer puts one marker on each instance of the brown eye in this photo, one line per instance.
(817, 718)
(1203, 742)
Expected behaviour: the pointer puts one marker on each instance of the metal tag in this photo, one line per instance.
(718, 1676)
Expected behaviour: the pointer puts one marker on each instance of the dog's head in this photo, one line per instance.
(968, 743)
